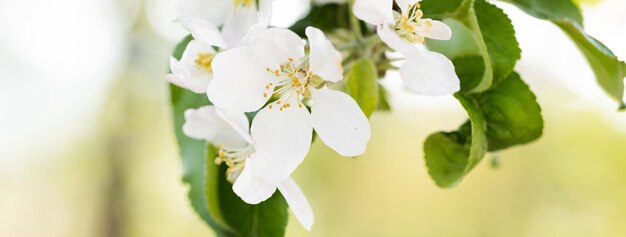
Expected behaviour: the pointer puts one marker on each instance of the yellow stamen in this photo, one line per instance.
(205, 61)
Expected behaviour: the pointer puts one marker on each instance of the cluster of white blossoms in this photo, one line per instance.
(424, 72)
(243, 65)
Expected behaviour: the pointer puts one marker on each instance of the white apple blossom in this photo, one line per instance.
(275, 66)
(194, 71)
(424, 72)
(230, 133)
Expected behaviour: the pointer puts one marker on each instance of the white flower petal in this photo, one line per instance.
(393, 40)
(205, 124)
(439, 31)
(297, 202)
(192, 52)
(183, 77)
(324, 59)
(240, 81)
(282, 140)
(252, 189)
(339, 122)
(193, 49)
(205, 32)
(375, 12)
(277, 45)
(236, 28)
(238, 121)
(214, 11)
(429, 73)
(265, 12)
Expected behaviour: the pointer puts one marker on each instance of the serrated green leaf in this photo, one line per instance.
(499, 37)
(608, 69)
(266, 219)
(450, 156)
(504, 116)
(512, 113)
(445, 158)
(363, 85)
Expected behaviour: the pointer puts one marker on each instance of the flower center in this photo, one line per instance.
(294, 79)
(234, 158)
(204, 61)
(411, 26)
(243, 3)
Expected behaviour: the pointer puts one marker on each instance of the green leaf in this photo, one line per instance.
(462, 43)
(383, 99)
(194, 156)
(440, 9)
(326, 17)
(266, 219)
(609, 70)
(362, 85)
(446, 158)
(492, 31)
(512, 113)
(504, 116)
(450, 156)
(194, 153)
(550, 10)
(470, 70)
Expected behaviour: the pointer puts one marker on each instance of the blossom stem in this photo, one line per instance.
(367, 42)
(355, 24)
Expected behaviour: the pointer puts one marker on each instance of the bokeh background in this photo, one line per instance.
(87, 149)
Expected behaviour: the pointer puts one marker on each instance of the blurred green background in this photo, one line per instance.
(93, 153)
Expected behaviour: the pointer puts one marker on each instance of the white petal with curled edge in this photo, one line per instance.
(205, 32)
(238, 121)
(393, 40)
(297, 202)
(325, 60)
(282, 140)
(430, 73)
(182, 77)
(250, 188)
(236, 28)
(339, 122)
(404, 4)
(276, 46)
(375, 12)
(239, 81)
(205, 124)
(214, 11)
(439, 31)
